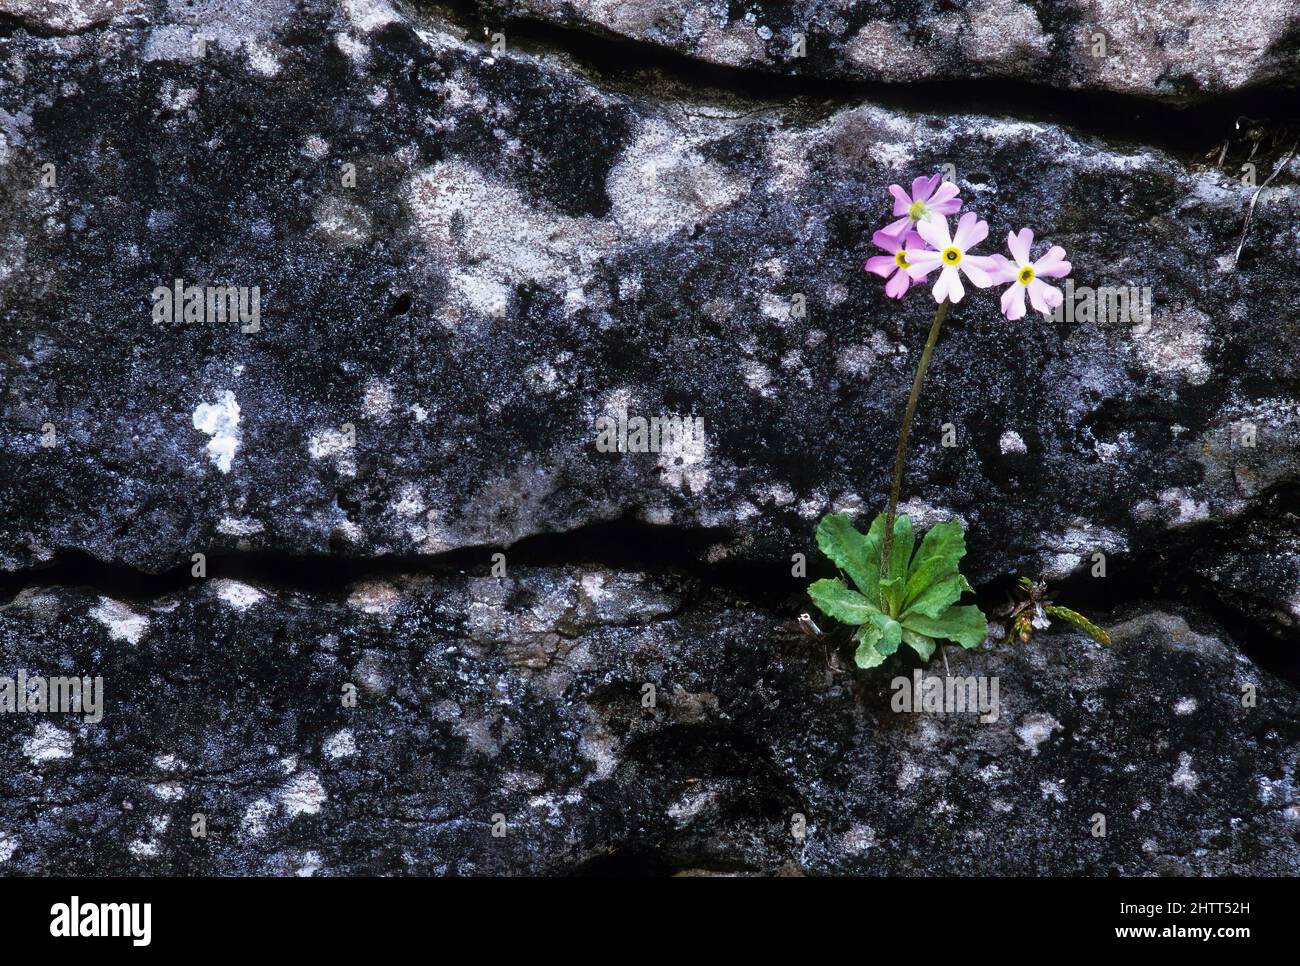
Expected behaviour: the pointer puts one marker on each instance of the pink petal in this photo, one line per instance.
(946, 192)
(922, 188)
(949, 286)
(999, 268)
(914, 240)
(1013, 302)
(897, 286)
(945, 200)
(970, 231)
(921, 262)
(887, 240)
(1053, 264)
(898, 228)
(901, 200)
(935, 232)
(1050, 293)
(1036, 297)
(1019, 244)
(881, 265)
(974, 267)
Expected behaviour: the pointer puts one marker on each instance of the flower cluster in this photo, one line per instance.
(919, 242)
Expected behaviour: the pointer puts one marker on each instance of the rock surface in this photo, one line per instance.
(1175, 50)
(525, 251)
(522, 701)
(463, 259)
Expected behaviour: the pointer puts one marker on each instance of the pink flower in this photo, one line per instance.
(894, 265)
(928, 198)
(951, 253)
(1026, 276)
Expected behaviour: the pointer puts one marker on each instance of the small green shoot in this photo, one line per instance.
(1032, 610)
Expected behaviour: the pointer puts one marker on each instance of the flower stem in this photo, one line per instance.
(892, 509)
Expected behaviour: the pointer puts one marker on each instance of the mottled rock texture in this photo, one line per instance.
(463, 258)
(524, 698)
(1174, 50)
(525, 250)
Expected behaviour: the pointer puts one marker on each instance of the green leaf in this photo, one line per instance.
(901, 551)
(920, 643)
(939, 596)
(891, 593)
(939, 555)
(857, 554)
(893, 585)
(866, 655)
(1074, 618)
(965, 625)
(835, 599)
(891, 633)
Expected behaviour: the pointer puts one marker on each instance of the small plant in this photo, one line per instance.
(1030, 609)
(901, 598)
(912, 600)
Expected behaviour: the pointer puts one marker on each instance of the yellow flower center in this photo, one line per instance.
(917, 210)
(900, 258)
(1026, 275)
(952, 256)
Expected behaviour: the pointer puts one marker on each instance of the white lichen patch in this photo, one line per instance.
(662, 184)
(123, 623)
(1174, 341)
(256, 818)
(237, 594)
(1052, 790)
(924, 515)
(1184, 777)
(308, 865)
(168, 791)
(303, 794)
(239, 526)
(377, 401)
(1175, 506)
(144, 848)
(341, 223)
(369, 15)
(336, 445)
(884, 50)
(262, 58)
(1002, 33)
(375, 597)
(490, 238)
(1066, 553)
(1010, 442)
(48, 743)
(688, 467)
(220, 420)
(1036, 729)
(1184, 706)
(859, 839)
(8, 846)
(341, 744)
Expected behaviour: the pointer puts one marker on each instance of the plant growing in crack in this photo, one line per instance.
(1030, 609)
(903, 597)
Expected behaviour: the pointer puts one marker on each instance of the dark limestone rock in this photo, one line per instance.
(525, 250)
(1174, 50)
(463, 260)
(524, 698)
